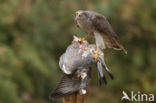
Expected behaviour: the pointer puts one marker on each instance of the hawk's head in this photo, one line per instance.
(80, 14)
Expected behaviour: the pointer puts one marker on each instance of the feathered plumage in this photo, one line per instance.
(93, 22)
(66, 86)
(76, 64)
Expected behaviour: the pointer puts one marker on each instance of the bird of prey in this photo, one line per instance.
(76, 64)
(97, 24)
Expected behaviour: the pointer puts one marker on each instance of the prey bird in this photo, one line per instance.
(76, 64)
(96, 24)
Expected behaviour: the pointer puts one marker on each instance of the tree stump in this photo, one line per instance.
(76, 98)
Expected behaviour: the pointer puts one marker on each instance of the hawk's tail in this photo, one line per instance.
(66, 86)
(113, 42)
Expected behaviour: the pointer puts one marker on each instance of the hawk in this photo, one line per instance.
(97, 24)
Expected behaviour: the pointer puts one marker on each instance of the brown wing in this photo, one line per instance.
(102, 25)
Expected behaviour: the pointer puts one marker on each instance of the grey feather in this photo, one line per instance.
(101, 74)
(66, 86)
(74, 58)
(101, 60)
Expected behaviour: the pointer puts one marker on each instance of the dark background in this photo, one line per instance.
(34, 33)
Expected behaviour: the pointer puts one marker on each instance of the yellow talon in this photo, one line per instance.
(96, 54)
(96, 57)
(84, 38)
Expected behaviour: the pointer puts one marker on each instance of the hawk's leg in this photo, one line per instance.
(84, 38)
(95, 54)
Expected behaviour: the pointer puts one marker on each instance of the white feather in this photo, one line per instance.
(99, 40)
(83, 91)
(65, 70)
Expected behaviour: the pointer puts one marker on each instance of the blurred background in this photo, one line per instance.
(34, 33)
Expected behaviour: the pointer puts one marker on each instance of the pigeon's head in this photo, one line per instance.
(79, 40)
(80, 14)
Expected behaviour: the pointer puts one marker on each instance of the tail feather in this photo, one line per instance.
(113, 42)
(100, 66)
(102, 80)
(111, 76)
(107, 69)
(118, 46)
(66, 87)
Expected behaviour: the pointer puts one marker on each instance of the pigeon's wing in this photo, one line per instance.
(67, 86)
(70, 58)
(102, 25)
(102, 78)
(101, 60)
(61, 60)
